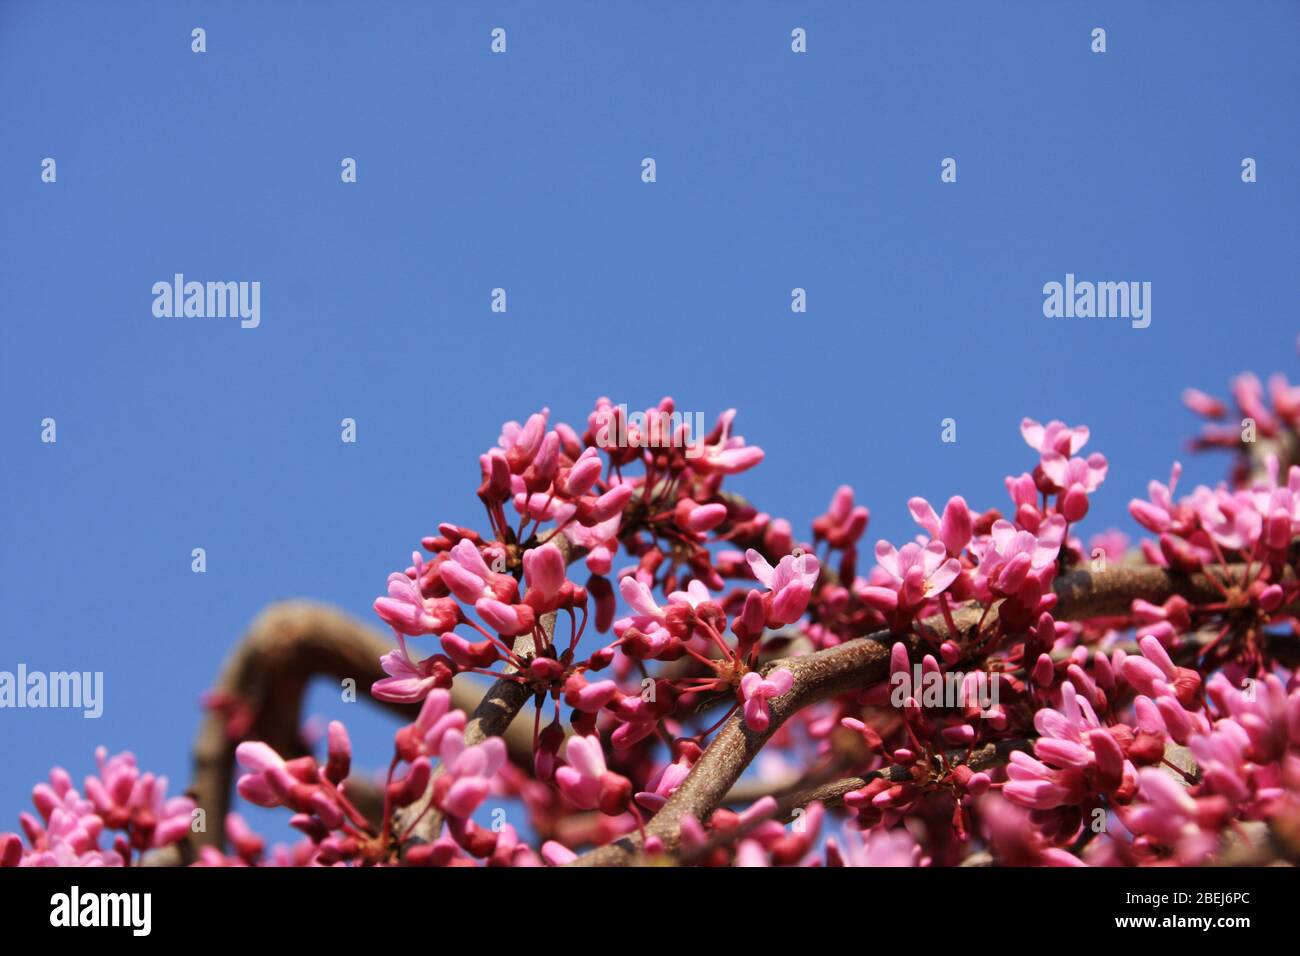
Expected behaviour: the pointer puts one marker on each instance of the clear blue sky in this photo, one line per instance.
(775, 170)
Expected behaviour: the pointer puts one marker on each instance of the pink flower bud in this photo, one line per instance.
(956, 528)
(1270, 599)
(584, 473)
(545, 668)
(1074, 503)
(507, 620)
(1202, 404)
(480, 654)
(340, 753)
(544, 567)
(884, 600)
(1044, 671)
(704, 518)
(557, 854)
(256, 789)
(326, 810)
(609, 504)
(1149, 516)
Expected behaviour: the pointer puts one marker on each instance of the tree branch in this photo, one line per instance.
(832, 794)
(490, 718)
(266, 675)
(493, 715)
(865, 661)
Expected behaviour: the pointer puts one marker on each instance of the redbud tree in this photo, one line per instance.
(678, 677)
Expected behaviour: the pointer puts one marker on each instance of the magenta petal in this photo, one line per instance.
(465, 796)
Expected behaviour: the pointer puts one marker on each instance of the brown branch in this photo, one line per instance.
(829, 788)
(268, 672)
(832, 794)
(293, 642)
(865, 661)
(493, 715)
(490, 718)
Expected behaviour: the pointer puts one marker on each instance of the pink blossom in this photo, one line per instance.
(521, 443)
(545, 570)
(663, 784)
(954, 529)
(1075, 479)
(726, 453)
(408, 682)
(470, 770)
(599, 540)
(638, 718)
(587, 782)
(407, 611)
(1249, 395)
(1229, 517)
(1075, 754)
(698, 518)
(120, 798)
(557, 854)
(790, 584)
(708, 610)
(695, 595)
(1170, 815)
(1009, 557)
(586, 696)
(584, 473)
(844, 521)
(1113, 544)
(1055, 436)
(1014, 838)
(916, 573)
(541, 505)
(877, 847)
(1203, 404)
(126, 799)
(1159, 513)
(646, 612)
(757, 690)
(471, 580)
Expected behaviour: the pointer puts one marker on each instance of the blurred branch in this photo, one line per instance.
(288, 645)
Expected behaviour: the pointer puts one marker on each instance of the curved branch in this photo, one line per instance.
(865, 661)
(266, 676)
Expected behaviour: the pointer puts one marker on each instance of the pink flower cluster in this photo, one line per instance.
(998, 721)
(69, 826)
(574, 496)
(988, 557)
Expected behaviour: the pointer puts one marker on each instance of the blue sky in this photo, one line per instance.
(522, 171)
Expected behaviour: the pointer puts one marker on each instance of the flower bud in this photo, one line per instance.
(340, 753)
